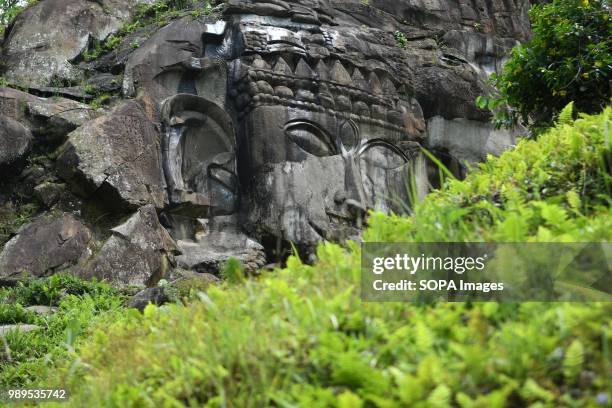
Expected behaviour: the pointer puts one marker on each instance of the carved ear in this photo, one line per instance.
(194, 103)
(311, 138)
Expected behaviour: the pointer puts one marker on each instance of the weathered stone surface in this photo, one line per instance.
(186, 281)
(213, 251)
(42, 310)
(118, 157)
(503, 18)
(49, 119)
(199, 157)
(469, 142)
(15, 142)
(21, 328)
(105, 83)
(155, 296)
(49, 193)
(136, 254)
(285, 120)
(49, 243)
(160, 69)
(43, 40)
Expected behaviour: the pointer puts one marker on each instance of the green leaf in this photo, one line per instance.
(440, 397)
(573, 361)
(566, 117)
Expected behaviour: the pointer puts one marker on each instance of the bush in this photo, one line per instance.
(302, 336)
(568, 59)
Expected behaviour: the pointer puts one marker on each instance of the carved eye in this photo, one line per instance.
(383, 155)
(310, 138)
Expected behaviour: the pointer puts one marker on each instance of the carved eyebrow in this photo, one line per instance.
(313, 128)
(383, 143)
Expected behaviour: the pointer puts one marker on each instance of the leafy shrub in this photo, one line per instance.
(568, 59)
(49, 291)
(302, 336)
(555, 189)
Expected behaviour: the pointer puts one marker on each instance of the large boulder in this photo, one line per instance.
(156, 70)
(43, 40)
(155, 296)
(118, 157)
(214, 250)
(15, 142)
(49, 119)
(48, 244)
(137, 253)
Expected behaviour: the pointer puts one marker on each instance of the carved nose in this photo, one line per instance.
(354, 194)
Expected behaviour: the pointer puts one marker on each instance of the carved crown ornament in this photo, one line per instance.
(333, 87)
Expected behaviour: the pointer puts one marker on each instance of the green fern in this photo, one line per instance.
(440, 397)
(566, 117)
(573, 361)
(532, 391)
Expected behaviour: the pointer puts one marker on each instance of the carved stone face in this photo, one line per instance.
(320, 137)
(312, 175)
(321, 140)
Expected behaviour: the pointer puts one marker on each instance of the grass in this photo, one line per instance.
(302, 337)
(27, 357)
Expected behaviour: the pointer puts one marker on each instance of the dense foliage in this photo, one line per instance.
(302, 337)
(9, 9)
(568, 59)
(554, 189)
(26, 357)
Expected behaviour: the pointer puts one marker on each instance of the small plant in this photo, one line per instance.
(205, 10)
(233, 271)
(112, 42)
(101, 100)
(400, 39)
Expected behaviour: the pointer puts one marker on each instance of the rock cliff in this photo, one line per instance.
(143, 146)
